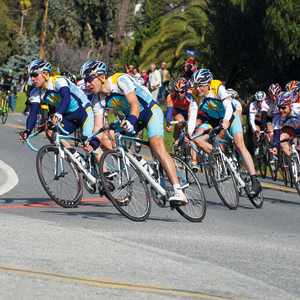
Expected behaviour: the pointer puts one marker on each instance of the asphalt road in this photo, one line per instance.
(93, 252)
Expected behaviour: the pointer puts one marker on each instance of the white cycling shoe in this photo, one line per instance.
(179, 198)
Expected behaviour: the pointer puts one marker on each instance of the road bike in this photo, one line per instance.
(4, 108)
(293, 161)
(130, 177)
(59, 168)
(229, 175)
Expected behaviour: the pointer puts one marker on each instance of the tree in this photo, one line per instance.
(8, 35)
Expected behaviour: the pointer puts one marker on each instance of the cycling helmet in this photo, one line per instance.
(71, 77)
(181, 85)
(285, 99)
(260, 96)
(290, 86)
(140, 80)
(202, 77)
(94, 67)
(232, 93)
(64, 73)
(274, 89)
(39, 66)
(10, 73)
(297, 89)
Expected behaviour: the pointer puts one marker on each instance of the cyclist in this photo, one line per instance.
(294, 87)
(268, 108)
(286, 121)
(73, 107)
(122, 93)
(8, 85)
(64, 73)
(178, 107)
(211, 97)
(71, 77)
(234, 95)
(255, 118)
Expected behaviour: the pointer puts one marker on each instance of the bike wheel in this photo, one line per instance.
(223, 180)
(125, 186)
(138, 146)
(200, 162)
(5, 111)
(93, 169)
(283, 168)
(64, 186)
(207, 170)
(261, 161)
(295, 171)
(256, 200)
(195, 209)
(273, 169)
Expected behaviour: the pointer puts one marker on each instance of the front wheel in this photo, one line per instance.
(60, 179)
(195, 209)
(223, 180)
(5, 111)
(125, 186)
(294, 167)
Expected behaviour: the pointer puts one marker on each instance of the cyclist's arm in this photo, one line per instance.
(264, 116)
(134, 108)
(32, 116)
(252, 118)
(193, 116)
(228, 108)
(65, 102)
(169, 102)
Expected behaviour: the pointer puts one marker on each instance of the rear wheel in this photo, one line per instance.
(61, 180)
(207, 170)
(223, 180)
(262, 161)
(125, 186)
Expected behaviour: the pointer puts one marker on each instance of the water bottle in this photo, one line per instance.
(145, 165)
(79, 157)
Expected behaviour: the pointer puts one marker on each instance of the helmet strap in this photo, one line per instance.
(102, 79)
(46, 78)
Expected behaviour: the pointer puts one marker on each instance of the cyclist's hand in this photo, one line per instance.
(56, 118)
(273, 151)
(186, 139)
(225, 124)
(127, 126)
(87, 147)
(23, 135)
(169, 128)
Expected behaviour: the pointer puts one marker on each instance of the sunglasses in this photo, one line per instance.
(89, 79)
(34, 75)
(180, 92)
(196, 85)
(282, 107)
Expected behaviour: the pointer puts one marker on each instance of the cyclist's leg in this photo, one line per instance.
(156, 140)
(285, 133)
(201, 141)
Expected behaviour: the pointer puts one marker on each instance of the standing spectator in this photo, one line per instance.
(136, 73)
(165, 80)
(145, 77)
(154, 82)
(129, 69)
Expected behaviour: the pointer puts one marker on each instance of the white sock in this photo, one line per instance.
(176, 187)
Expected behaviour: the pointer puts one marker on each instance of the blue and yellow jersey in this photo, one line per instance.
(212, 103)
(120, 85)
(53, 95)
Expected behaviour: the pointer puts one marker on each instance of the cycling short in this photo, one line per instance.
(156, 123)
(234, 127)
(179, 111)
(83, 117)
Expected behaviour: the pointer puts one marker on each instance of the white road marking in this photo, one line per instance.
(12, 178)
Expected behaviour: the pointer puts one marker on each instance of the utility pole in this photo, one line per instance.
(43, 38)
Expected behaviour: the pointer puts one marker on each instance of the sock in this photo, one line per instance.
(176, 187)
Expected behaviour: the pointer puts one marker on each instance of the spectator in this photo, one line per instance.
(145, 77)
(129, 69)
(136, 73)
(165, 80)
(154, 81)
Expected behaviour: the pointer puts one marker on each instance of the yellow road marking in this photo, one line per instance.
(116, 284)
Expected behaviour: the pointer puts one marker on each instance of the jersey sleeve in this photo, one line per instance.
(35, 96)
(96, 103)
(222, 92)
(193, 115)
(126, 84)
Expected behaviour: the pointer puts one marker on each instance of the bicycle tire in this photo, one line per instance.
(5, 111)
(294, 166)
(195, 209)
(273, 166)
(65, 189)
(261, 161)
(223, 180)
(200, 160)
(283, 169)
(130, 196)
(207, 171)
(257, 200)
(138, 146)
